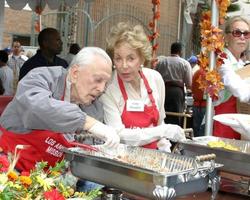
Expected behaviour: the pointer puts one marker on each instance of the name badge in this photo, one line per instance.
(135, 105)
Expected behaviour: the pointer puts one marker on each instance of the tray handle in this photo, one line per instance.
(206, 157)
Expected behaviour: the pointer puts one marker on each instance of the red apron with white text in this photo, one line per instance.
(44, 146)
(221, 130)
(149, 116)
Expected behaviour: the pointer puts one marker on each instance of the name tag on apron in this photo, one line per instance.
(135, 105)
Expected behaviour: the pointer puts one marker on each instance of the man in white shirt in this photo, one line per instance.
(176, 73)
(16, 61)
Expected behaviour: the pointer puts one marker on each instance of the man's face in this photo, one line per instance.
(89, 82)
(54, 43)
(16, 48)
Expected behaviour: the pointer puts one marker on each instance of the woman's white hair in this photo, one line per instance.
(88, 55)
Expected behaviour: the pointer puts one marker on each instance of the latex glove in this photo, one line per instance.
(106, 133)
(173, 132)
(243, 128)
(164, 145)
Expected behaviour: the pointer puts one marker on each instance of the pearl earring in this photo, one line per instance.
(141, 66)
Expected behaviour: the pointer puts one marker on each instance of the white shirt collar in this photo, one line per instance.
(233, 60)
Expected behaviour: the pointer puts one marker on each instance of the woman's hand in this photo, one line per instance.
(173, 132)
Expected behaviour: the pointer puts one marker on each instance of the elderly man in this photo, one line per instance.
(52, 104)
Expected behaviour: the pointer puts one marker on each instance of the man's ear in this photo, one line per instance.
(74, 73)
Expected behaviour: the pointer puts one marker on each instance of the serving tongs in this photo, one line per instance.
(86, 147)
(189, 133)
(90, 148)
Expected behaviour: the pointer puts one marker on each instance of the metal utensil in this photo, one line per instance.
(88, 147)
(85, 146)
(146, 171)
(189, 133)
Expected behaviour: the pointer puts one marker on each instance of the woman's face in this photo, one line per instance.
(237, 43)
(127, 62)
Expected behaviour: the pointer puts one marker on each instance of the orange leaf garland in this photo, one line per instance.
(212, 40)
(155, 33)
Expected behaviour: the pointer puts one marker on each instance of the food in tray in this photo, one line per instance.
(221, 144)
(143, 158)
(159, 163)
(151, 163)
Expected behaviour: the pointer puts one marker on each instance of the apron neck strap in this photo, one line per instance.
(122, 88)
(149, 90)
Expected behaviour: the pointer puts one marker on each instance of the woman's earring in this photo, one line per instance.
(141, 66)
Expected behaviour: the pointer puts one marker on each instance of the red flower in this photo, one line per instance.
(4, 163)
(53, 195)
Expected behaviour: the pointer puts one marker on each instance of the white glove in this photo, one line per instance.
(243, 128)
(142, 136)
(164, 145)
(106, 133)
(235, 84)
(173, 132)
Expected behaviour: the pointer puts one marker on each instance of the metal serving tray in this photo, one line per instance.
(144, 172)
(234, 161)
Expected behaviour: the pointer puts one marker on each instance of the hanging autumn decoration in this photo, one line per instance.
(38, 6)
(212, 41)
(39, 9)
(155, 32)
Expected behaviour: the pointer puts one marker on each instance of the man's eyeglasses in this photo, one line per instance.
(239, 33)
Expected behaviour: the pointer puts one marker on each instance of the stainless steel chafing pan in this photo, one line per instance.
(148, 173)
(233, 161)
(235, 174)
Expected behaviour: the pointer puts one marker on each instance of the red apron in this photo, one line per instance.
(45, 145)
(140, 119)
(221, 130)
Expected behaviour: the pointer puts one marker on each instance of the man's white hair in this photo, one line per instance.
(87, 55)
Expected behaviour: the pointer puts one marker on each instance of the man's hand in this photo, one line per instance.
(106, 133)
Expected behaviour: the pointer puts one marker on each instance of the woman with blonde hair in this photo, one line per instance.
(237, 34)
(134, 100)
